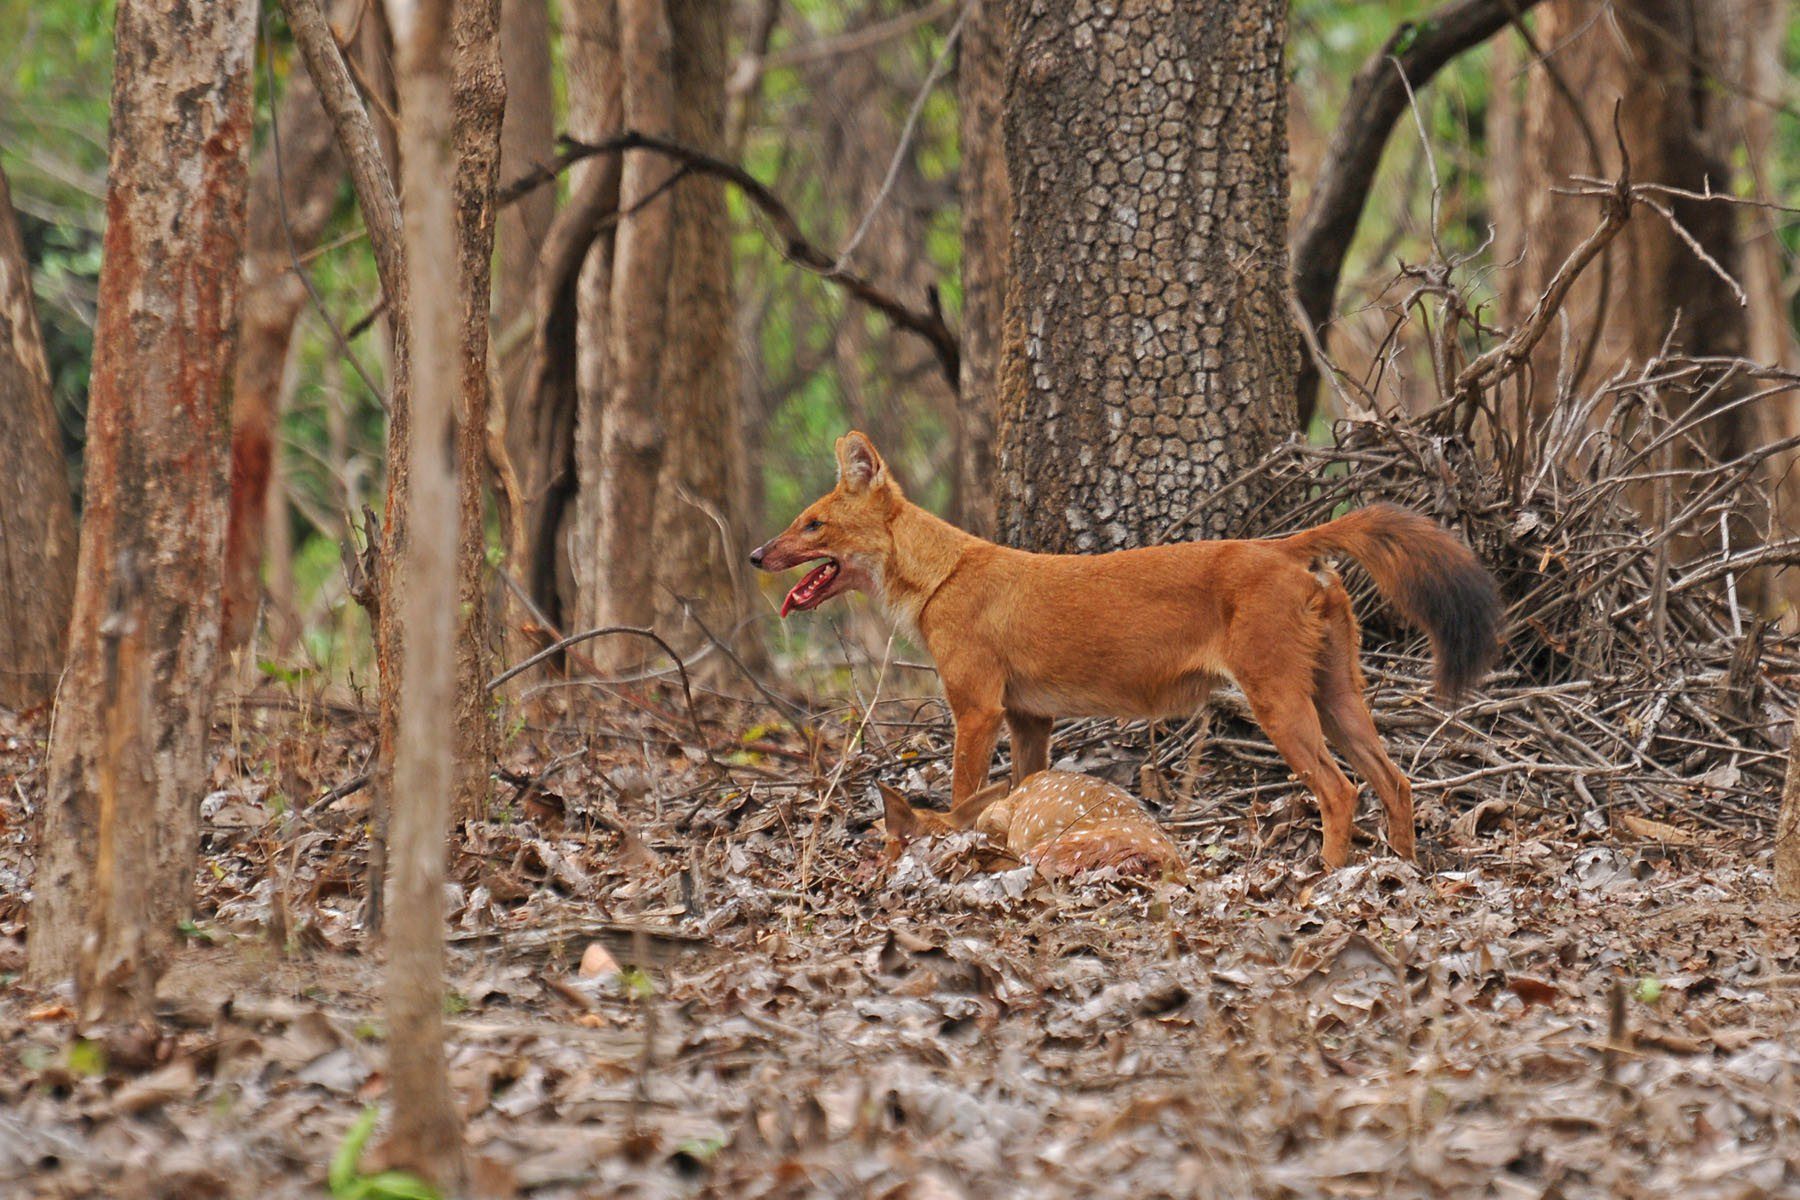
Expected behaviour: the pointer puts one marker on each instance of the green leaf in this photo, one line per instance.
(87, 1058)
(341, 1176)
(637, 983)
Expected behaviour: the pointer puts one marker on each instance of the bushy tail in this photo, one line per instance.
(1427, 573)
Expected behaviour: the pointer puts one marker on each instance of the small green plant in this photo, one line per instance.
(455, 1004)
(637, 983)
(193, 932)
(86, 1058)
(282, 674)
(1649, 990)
(347, 1182)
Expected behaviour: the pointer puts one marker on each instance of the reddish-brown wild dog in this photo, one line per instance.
(1024, 638)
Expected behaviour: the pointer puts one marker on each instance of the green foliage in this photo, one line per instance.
(347, 1182)
(86, 1057)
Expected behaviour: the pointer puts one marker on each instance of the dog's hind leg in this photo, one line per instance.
(1345, 717)
(1274, 660)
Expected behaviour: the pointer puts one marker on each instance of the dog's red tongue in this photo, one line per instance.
(807, 588)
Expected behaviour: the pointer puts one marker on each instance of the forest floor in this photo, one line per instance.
(1549, 1006)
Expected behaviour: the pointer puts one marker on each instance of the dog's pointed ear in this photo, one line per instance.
(964, 815)
(859, 463)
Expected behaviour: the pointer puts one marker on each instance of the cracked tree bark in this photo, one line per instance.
(596, 67)
(128, 747)
(1149, 354)
(37, 520)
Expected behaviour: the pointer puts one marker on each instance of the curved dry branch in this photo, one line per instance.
(927, 323)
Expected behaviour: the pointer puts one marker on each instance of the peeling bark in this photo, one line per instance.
(479, 105)
(129, 740)
(1149, 354)
(37, 521)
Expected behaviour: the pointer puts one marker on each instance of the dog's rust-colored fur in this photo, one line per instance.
(1023, 638)
(1060, 822)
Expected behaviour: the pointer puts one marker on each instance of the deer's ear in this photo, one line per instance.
(964, 815)
(859, 463)
(902, 822)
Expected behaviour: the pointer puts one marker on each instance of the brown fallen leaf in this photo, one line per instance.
(597, 961)
(171, 1082)
(1465, 830)
(1656, 831)
(1533, 991)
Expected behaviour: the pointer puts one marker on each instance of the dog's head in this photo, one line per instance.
(845, 532)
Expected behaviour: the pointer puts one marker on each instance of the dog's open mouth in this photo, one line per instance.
(811, 590)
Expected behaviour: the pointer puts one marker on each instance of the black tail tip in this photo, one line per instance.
(1465, 623)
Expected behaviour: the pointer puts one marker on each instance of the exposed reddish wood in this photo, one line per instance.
(306, 182)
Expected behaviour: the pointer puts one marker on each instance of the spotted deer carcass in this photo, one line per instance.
(1060, 822)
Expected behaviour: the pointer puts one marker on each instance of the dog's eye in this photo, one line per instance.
(813, 526)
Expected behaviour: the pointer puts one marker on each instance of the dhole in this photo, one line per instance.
(1024, 638)
(1059, 822)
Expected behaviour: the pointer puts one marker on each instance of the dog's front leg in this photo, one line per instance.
(977, 732)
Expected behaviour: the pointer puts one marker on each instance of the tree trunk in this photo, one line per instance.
(623, 570)
(527, 138)
(359, 140)
(596, 110)
(128, 747)
(1787, 828)
(1649, 57)
(700, 530)
(272, 298)
(986, 233)
(1641, 55)
(1149, 355)
(426, 1135)
(37, 521)
(480, 102)
(1771, 330)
